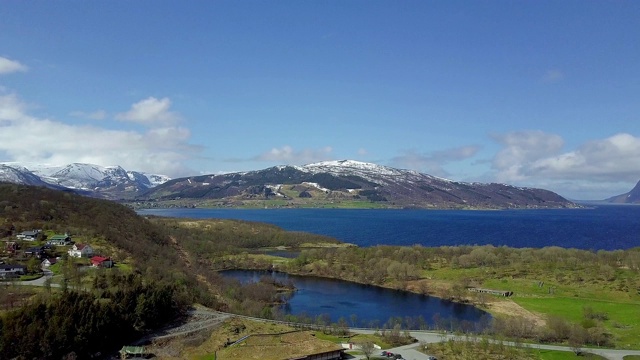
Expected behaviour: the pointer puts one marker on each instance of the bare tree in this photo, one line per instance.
(367, 349)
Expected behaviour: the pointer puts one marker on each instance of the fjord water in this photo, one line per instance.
(598, 228)
(367, 306)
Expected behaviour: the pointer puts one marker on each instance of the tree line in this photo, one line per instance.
(81, 324)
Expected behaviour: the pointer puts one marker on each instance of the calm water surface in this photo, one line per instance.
(604, 227)
(372, 306)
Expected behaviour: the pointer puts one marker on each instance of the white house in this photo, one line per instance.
(81, 250)
(48, 262)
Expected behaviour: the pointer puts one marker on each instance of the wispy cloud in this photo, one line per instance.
(94, 115)
(150, 111)
(8, 66)
(553, 76)
(287, 155)
(433, 162)
(160, 149)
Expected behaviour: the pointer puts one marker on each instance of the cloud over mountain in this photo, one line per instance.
(287, 155)
(434, 162)
(159, 149)
(535, 157)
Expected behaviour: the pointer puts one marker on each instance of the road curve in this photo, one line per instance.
(410, 352)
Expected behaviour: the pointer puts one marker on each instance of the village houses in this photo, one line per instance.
(100, 261)
(81, 250)
(12, 271)
(30, 235)
(59, 240)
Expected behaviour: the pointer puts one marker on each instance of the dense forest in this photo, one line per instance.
(81, 324)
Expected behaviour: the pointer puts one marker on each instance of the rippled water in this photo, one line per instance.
(368, 306)
(605, 227)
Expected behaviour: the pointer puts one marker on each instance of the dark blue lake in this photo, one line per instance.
(368, 306)
(603, 227)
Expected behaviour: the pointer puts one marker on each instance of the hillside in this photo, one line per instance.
(28, 207)
(162, 267)
(632, 197)
(344, 183)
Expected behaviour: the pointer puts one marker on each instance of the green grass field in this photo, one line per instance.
(563, 355)
(566, 299)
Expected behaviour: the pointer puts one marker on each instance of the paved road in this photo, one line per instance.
(410, 352)
(39, 281)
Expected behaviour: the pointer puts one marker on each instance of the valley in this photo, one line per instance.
(573, 295)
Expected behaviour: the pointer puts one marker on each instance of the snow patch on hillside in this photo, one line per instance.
(317, 186)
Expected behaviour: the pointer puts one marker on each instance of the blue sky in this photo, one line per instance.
(529, 93)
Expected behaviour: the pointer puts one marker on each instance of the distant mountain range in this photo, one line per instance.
(632, 197)
(112, 182)
(345, 183)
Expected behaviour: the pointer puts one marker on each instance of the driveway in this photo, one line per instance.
(39, 281)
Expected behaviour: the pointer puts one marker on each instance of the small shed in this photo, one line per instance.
(135, 351)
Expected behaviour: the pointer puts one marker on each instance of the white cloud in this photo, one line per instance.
(362, 152)
(615, 158)
(94, 115)
(25, 138)
(287, 155)
(10, 66)
(595, 170)
(150, 111)
(433, 163)
(520, 150)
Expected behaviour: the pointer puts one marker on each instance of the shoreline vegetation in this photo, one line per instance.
(329, 204)
(557, 287)
(566, 296)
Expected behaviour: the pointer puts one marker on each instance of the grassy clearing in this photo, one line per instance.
(207, 343)
(541, 293)
(485, 350)
(569, 302)
(563, 355)
(268, 341)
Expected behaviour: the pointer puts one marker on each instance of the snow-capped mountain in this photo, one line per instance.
(104, 181)
(19, 175)
(333, 182)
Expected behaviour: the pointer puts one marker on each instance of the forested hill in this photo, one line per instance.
(154, 288)
(163, 266)
(146, 246)
(27, 207)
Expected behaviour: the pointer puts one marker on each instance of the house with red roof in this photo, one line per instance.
(100, 261)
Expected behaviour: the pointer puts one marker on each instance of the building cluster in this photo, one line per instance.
(18, 253)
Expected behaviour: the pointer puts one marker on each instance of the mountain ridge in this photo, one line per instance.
(346, 183)
(109, 182)
(631, 197)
